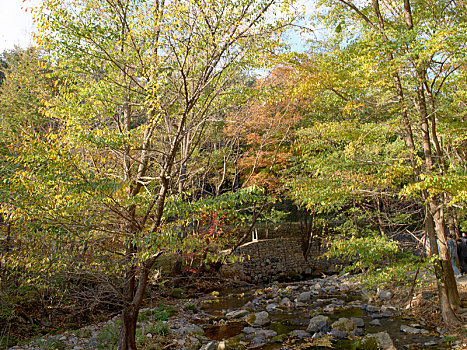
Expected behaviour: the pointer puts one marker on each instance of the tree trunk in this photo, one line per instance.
(448, 279)
(127, 338)
(447, 287)
(306, 227)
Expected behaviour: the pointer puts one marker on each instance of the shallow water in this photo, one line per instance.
(298, 318)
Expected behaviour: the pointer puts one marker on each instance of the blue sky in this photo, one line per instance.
(16, 25)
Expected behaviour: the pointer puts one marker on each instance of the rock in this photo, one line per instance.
(213, 345)
(271, 307)
(236, 343)
(385, 294)
(249, 305)
(371, 308)
(237, 313)
(344, 324)
(286, 302)
(262, 337)
(330, 308)
(358, 321)
(374, 341)
(358, 332)
(408, 329)
(299, 333)
(338, 333)
(430, 343)
(192, 329)
(258, 319)
(316, 323)
(387, 313)
(250, 330)
(304, 297)
(375, 322)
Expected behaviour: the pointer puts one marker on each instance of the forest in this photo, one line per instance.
(143, 142)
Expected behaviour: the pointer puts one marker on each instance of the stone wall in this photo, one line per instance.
(282, 258)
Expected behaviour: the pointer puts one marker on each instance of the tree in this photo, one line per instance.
(139, 78)
(417, 48)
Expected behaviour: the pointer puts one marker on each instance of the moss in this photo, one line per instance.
(279, 328)
(369, 343)
(279, 338)
(251, 318)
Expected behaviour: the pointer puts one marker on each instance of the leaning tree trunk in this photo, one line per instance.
(447, 287)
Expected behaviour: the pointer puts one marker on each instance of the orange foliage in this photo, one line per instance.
(265, 128)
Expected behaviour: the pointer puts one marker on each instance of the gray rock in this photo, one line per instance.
(385, 294)
(387, 313)
(263, 336)
(338, 333)
(250, 330)
(430, 343)
(358, 332)
(344, 324)
(407, 329)
(249, 305)
(258, 319)
(330, 308)
(372, 308)
(192, 329)
(304, 297)
(213, 345)
(375, 322)
(237, 313)
(382, 339)
(317, 322)
(286, 302)
(358, 321)
(271, 307)
(299, 333)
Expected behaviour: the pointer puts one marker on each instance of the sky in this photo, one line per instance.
(16, 25)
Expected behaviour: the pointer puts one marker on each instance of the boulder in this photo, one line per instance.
(258, 319)
(192, 329)
(317, 323)
(338, 334)
(344, 324)
(237, 313)
(304, 297)
(213, 345)
(380, 340)
(385, 294)
(299, 333)
(286, 302)
(358, 321)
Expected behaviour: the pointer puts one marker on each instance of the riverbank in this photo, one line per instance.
(333, 311)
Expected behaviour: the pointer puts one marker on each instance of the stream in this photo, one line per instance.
(229, 318)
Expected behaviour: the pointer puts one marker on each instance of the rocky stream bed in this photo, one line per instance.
(329, 312)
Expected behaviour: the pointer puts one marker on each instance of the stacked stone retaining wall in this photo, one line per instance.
(272, 259)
